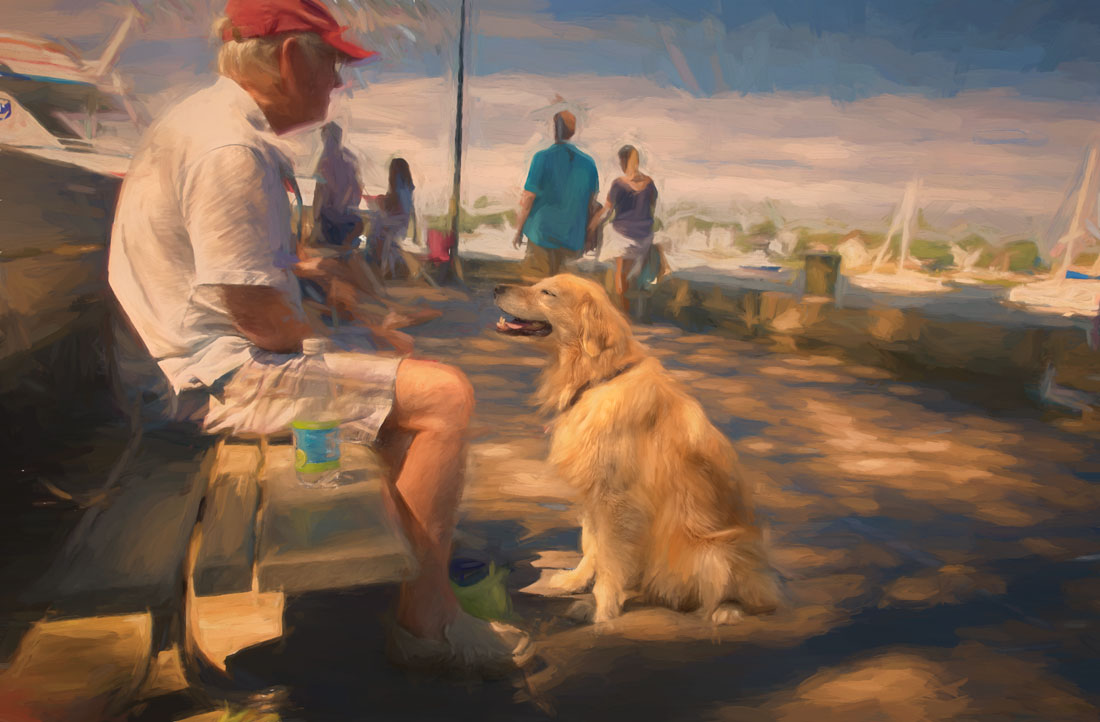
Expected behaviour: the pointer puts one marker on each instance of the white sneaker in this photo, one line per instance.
(469, 645)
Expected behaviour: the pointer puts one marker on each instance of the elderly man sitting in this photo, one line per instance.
(203, 263)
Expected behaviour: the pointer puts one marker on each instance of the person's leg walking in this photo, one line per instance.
(536, 263)
(622, 283)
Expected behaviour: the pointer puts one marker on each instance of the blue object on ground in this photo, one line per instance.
(467, 572)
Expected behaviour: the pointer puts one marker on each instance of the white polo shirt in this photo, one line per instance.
(204, 204)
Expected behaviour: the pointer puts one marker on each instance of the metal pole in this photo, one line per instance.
(455, 193)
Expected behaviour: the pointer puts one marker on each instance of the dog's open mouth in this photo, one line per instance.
(523, 327)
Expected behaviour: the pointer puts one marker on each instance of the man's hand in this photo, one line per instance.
(596, 214)
(518, 240)
(322, 269)
(308, 267)
(402, 343)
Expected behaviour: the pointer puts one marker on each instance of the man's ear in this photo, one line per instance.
(292, 60)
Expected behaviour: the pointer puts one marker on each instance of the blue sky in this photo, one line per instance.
(844, 49)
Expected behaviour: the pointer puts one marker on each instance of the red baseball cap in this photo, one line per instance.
(262, 18)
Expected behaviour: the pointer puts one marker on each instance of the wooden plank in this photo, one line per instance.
(313, 539)
(225, 559)
(220, 626)
(126, 554)
(87, 668)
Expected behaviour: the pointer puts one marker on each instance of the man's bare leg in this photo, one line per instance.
(433, 404)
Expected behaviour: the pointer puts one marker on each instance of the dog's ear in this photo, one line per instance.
(595, 327)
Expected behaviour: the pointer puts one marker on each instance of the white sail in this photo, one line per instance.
(909, 216)
(902, 221)
(1074, 226)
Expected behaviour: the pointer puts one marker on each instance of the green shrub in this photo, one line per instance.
(766, 228)
(937, 253)
(1022, 256)
(974, 241)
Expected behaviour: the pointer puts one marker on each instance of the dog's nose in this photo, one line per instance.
(499, 291)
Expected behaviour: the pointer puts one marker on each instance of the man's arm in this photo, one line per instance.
(525, 202)
(531, 187)
(596, 212)
(264, 316)
(592, 233)
(599, 213)
(230, 202)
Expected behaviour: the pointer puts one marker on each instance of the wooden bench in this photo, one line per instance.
(112, 594)
(263, 536)
(191, 547)
(223, 521)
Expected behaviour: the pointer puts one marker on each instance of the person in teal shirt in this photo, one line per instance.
(557, 198)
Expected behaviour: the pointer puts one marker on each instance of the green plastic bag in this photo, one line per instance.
(488, 598)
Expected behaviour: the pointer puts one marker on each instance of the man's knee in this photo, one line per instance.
(434, 393)
(456, 393)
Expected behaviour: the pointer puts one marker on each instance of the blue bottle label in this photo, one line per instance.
(317, 446)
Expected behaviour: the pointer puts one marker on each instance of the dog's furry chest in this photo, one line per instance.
(598, 444)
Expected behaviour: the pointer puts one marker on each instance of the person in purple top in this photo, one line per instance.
(629, 240)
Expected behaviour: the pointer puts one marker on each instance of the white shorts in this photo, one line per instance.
(265, 395)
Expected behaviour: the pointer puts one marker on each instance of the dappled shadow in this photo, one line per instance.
(899, 516)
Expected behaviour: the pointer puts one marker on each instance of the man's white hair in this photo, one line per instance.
(243, 58)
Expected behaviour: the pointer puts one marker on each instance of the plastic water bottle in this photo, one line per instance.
(317, 427)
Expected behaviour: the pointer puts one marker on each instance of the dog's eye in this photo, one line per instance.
(548, 293)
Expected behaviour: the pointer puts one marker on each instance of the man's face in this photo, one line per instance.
(309, 79)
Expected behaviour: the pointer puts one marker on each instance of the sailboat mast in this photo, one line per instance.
(456, 189)
(885, 247)
(1078, 221)
(909, 207)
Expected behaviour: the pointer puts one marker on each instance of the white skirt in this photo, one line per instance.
(616, 245)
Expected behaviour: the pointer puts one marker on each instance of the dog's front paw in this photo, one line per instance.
(727, 614)
(583, 611)
(606, 614)
(568, 582)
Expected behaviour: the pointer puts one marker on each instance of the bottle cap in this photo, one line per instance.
(314, 346)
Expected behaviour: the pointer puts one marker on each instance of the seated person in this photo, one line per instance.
(202, 263)
(392, 216)
(342, 283)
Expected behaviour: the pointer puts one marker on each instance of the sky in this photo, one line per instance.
(842, 49)
(816, 105)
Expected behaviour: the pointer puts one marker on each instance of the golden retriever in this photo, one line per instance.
(665, 509)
